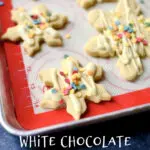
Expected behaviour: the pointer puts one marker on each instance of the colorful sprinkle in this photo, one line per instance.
(75, 69)
(139, 39)
(117, 22)
(145, 42)
(90, 73)
(116, 38)
(67, 80)
(128, 35)
(147, 24)
(68, 36)
(73, 86)
(36, 22)
(43, 26)
(131, 25)
(72, 91)
(29, 26)
(130, 30)
(115, 28)
(31, 35)
(62, 73)
(126, 28)
(69, 88)
(120, 36)
(76, 82)
(142, 1)
(134, 40)
(34, 17)
(82, 86)
(66, 92)
(74, 72)
(66, 56)
(49, 14)
(61, 101)
(54, 91)
(74, 77)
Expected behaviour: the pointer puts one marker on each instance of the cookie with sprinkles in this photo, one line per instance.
(123, 33)
(72, 85)
(89, 3)
(36, 27)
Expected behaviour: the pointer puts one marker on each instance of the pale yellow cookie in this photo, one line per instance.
(34, 28)
(100, 19)
(124, 5)
(73, 85)
(89, 3)
(86, 3)
(129, 63)
(99, 46)
(122, 32)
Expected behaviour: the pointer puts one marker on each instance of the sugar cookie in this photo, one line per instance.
(125, 34)
(89, 3)
(35, 27)
(72, 85)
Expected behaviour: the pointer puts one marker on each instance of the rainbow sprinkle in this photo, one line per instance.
(117, 30)
(67, 80)
(66, 56)
(147, 24)
(82, 86)
(54, 91)
(62, 74)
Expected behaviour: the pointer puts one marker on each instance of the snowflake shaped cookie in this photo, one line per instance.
(72, 85)
(88, 3)
(35, 27)
(123, 33)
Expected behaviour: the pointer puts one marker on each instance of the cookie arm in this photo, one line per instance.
(102, 95)
(12, 34)
(52, 37)
(45, 77)
(123, 5)
(95, 47)
(75, 107)
(59, 22)
(31, 49)
(129, 71)
(94, 70)
(86, 4)
(51, 100)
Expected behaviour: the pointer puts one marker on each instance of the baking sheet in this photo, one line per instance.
(80, 31)
(28, 90)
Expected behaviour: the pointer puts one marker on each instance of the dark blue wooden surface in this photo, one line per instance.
(136, 126)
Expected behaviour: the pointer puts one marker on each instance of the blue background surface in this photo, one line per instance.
(135, 126)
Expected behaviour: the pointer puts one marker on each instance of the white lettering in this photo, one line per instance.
(24, 141)
(127, 141)
(62, 142)
(97, 141)
(80, 141)
(87, 141)
(44, 140)
(120, 139)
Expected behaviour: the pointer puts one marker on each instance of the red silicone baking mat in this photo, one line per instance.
(25, 114)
